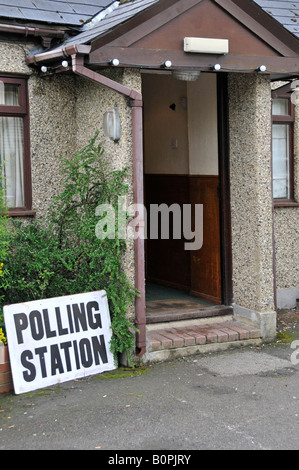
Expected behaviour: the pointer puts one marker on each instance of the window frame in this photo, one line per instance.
(21, 111)
(288, 119)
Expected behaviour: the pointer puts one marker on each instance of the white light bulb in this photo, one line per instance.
(217, 67)
(64, 63)
(115, 62)
(262, 68)
(168, 63)
(44, 68)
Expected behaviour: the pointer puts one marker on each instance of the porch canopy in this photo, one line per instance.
(182, 34)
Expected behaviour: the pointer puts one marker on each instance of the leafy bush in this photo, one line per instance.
(5, 237)
(2, 337)
(61, 255)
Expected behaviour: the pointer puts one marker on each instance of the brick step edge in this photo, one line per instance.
(224, 332)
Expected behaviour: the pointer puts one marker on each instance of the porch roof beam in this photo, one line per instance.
(154, 59)
(278, 67)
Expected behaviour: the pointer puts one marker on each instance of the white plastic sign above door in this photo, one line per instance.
(58, 339)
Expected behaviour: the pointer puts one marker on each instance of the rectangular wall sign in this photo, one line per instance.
(206, 45)
(59, 339)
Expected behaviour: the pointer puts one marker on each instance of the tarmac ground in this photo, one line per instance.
(240, 399)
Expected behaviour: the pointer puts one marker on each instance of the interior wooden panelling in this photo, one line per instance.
(167, 262)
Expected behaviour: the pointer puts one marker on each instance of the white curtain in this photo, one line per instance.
(280, 156)
(11, 148)
(281, 150)
(280, 106)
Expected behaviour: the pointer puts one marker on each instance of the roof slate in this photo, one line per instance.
(121, 14)
(284, 11)
(60, 12)
(78, 14)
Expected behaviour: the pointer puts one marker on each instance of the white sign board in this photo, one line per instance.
(59, 339)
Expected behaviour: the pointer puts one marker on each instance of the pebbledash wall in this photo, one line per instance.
(251, 199)
(66, 110)
(286, 223)
(254, 223)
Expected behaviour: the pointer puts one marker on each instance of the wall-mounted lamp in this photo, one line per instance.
(186, 75)
(294, 87)
(216, 67)
(262, 68)
(295, 96)
(111, 124)
(294, 90)
(114, 62)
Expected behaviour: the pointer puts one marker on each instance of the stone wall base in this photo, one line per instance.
(265, 321)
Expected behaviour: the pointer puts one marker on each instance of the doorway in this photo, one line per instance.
(181, 168)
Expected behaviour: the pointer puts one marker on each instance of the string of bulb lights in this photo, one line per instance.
(167, 64)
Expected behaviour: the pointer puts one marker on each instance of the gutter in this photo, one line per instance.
(77, 53)
(45, 34)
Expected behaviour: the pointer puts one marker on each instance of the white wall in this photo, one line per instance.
(202, 125)
(183, 141)
(165, 131)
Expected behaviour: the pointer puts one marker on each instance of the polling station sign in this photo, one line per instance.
(58, 339)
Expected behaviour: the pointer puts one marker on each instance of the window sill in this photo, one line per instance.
(20, 213)
(285, 203)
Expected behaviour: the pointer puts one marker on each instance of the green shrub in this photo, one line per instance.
(5, 239)
(61, 255)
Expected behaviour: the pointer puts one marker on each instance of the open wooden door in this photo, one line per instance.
(205, 263)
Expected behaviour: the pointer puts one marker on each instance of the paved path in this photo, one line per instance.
(239, 399)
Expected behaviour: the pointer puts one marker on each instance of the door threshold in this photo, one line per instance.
(177, 310)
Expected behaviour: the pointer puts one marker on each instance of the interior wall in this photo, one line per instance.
(202, 125)
(181, 132)
(166, 131)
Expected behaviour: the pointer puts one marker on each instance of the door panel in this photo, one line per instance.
(206, 262)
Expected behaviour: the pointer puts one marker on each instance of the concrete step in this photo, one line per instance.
(169, 342)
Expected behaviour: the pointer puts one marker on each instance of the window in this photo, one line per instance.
(282, 149)
(14, 144)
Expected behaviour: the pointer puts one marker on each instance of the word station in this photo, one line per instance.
(55, 340)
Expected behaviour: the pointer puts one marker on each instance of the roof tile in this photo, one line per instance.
(283, 11)
(78, 13)
(69, 13)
